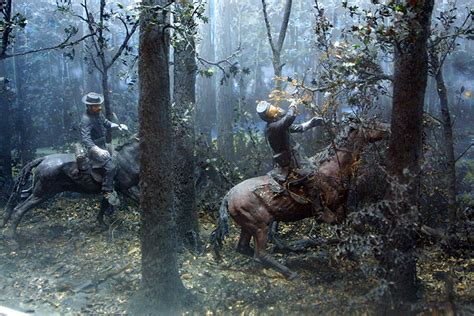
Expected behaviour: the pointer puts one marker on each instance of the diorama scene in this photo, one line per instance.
(236, 157)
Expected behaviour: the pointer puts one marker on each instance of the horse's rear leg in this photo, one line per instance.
(21, 210)
(8, 211)
(261, 239)
(243, 246)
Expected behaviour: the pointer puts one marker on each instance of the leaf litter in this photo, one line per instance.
(66, 265)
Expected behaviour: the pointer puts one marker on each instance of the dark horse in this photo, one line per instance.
(58, 173)
(254, 212)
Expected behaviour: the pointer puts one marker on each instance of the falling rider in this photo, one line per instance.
(277, 131)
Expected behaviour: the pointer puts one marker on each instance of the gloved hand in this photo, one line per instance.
(100, 153)
(316, 121)
(123, 127)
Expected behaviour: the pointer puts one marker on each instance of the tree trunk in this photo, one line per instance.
(206, 109)
(107, 106)
(225, 97)
(449, 147)
(6, 178)
(405, 148)
(277, 46)
(67, 104)
(24, 123)
(161, 287)
(184, 92)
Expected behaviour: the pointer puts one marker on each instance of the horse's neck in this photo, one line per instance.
(130, 151)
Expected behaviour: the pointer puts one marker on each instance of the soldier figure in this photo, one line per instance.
(93, 131)
(278, 129)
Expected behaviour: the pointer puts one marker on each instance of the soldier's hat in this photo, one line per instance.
(262, 109)
(93, 98)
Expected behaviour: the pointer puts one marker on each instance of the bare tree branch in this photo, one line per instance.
(124, 43)
(220, 62)
(267, 24)
(62, 45)
(284, 25)
(464, 152)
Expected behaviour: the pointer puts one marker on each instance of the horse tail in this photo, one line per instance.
(222, 230)
(20, 182)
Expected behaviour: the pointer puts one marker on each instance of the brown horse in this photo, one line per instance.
(255, 211)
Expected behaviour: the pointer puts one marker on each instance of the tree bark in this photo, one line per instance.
(161, 287)
(405, 148)
(448, 147)
(184, 92)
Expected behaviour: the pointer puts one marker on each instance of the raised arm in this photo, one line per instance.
(300, 128)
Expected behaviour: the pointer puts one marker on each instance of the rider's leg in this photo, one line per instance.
(108, 183)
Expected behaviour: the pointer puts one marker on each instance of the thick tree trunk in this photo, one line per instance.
(161, 287)
(184, 92)
(405, 149)
(448, 147)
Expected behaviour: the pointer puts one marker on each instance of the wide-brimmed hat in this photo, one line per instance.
(93, 98)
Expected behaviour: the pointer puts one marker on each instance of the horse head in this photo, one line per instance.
(363, 133)
(128, 165)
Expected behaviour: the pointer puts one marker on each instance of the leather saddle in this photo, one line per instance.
(87, 166)
(294, 185)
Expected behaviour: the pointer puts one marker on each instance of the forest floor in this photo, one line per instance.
(64, 264)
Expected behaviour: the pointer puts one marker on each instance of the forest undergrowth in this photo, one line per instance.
(65, 264)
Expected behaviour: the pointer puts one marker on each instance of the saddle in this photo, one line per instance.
(87, 167)
(295, 185)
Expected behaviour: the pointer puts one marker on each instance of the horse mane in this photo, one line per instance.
(132, 140)
(329, 151)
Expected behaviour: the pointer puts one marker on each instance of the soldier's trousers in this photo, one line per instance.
(108, 182)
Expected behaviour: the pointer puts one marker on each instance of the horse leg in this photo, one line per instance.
(20, 210)
(243, 246)
(261, 239)
(280, 245)
(105, 209)
(9, 211)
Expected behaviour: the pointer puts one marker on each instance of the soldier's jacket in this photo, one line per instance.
(278, 136)
(93, 130)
